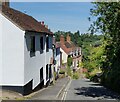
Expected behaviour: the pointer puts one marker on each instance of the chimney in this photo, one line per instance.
(5, 2)
(54, 40)
(42, 23)
(68, 38)
(46, 26)
(62, 40)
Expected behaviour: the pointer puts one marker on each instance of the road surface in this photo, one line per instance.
(51, 92)
(83, 89)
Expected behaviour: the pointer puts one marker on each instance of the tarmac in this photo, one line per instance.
(52, 92)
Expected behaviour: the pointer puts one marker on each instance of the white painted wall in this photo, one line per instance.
(49, 55)
(57, 62)
(12, 54)
(64, 56)
(0, 49)
(57, 58)
(35, 63)
(18, 68)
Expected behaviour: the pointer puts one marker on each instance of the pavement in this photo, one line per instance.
(10, 95)
(84, 89)
(52, 92)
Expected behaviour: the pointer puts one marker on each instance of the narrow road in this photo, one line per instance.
(51, 92)
(83, 89)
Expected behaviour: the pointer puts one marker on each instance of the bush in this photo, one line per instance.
(69, 71)
(62, 72)
(87, 75)
(55, 75)
(76, 75)
(111, 80)
(69, 61)
(96, 78)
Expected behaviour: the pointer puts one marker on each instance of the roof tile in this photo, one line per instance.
(24, 21)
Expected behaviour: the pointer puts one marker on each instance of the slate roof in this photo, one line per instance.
(23, 21)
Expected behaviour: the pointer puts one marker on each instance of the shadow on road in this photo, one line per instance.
(96, 92)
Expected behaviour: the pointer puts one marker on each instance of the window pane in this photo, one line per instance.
(41, 45)
(47, 43)
(41, 74)
(32, 47)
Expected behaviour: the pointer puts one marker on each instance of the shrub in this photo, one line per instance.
(87, 75)
(69, 61)
(69, 71)
(62, 72)
(111, 79)
(75, 75)
(55, 75)
(96, 78)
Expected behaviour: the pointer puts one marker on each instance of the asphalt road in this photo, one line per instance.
(83, 89)
(51, 92)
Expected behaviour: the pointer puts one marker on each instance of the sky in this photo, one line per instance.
(63, 16)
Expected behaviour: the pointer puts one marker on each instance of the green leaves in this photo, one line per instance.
(92, 51)
(108, 21)
(69, 61)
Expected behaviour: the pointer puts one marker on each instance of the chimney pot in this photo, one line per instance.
(54, 40)
(5, 2)
(46, 26)
(62, 40)
(42, 23)
(68, 38)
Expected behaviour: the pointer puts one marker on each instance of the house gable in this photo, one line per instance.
(12, 53)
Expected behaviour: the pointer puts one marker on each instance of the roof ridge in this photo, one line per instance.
(23, 20)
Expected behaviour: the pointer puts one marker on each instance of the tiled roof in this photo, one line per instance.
(23, 21)
(67, 44)
(67, 50)
(67, 47)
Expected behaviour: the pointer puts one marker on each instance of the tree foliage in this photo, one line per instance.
(69, 61)
(92, 53)
(91, 48)
(108, 22)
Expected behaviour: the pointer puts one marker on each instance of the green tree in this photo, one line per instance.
(69, 63)
(108, 22)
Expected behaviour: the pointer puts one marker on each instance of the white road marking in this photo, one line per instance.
(66, 90)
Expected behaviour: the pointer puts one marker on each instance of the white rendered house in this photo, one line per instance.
(57, 58)
(69, 49)
(56, 53)
(25, 52)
